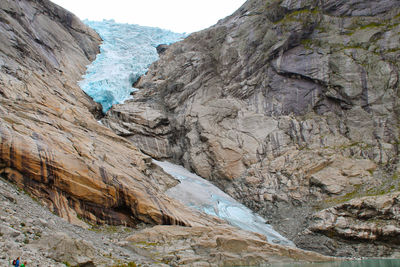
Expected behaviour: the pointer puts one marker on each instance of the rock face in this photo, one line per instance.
(51, 144)
(288, 106)
(369, 219)
(62, 248)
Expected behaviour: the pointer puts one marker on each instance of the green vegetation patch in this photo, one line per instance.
(302, 16)
(371, 25)
(389, 185)
(148, 243)
(129, 264)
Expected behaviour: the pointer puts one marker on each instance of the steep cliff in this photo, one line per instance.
(51, 144)
(291, 107)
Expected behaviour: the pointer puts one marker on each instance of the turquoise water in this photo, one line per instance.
(359, 263)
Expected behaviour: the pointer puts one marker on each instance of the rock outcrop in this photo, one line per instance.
(369, 219)
(51, 144)
(285, 105)
(219, 246)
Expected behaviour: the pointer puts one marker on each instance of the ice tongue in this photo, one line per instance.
(200, 194)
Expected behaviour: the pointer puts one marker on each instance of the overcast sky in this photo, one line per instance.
(176, 15)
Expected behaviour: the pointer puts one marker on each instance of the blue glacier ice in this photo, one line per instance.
(202, 195)
(125, 54)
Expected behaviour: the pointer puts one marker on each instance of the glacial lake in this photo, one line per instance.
(358, 263)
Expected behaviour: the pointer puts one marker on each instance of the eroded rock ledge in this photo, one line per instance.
(286, 105)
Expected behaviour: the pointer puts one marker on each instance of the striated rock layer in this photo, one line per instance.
(289, 106)
(51, 144)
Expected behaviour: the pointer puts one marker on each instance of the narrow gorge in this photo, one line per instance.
(289, 107)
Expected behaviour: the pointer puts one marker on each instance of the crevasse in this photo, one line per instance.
(125, 54)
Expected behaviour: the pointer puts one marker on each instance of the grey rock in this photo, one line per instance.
(63, 248)
(161, 49)
(358, 7)
(373, 219)
(42, 222)
(8, 231)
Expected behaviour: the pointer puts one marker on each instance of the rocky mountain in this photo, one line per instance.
(55, 151)
(292, 108)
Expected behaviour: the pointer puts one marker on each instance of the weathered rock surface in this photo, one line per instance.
(217, 246)
(51, 144)
(379, 214)
(62, 248)
(283, 105)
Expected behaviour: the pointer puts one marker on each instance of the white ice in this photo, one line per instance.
(126, 53)
(200, 194)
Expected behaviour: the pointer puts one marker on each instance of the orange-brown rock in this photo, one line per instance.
(51, 144)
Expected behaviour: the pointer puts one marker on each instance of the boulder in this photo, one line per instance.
(62, 248)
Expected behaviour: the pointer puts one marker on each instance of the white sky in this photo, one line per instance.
(176, 15)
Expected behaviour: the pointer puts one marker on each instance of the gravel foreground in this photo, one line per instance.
(30, 231)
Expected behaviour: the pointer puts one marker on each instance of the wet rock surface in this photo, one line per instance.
(285, 105)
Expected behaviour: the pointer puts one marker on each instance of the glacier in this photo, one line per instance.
(126, 53)
(200, 194)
